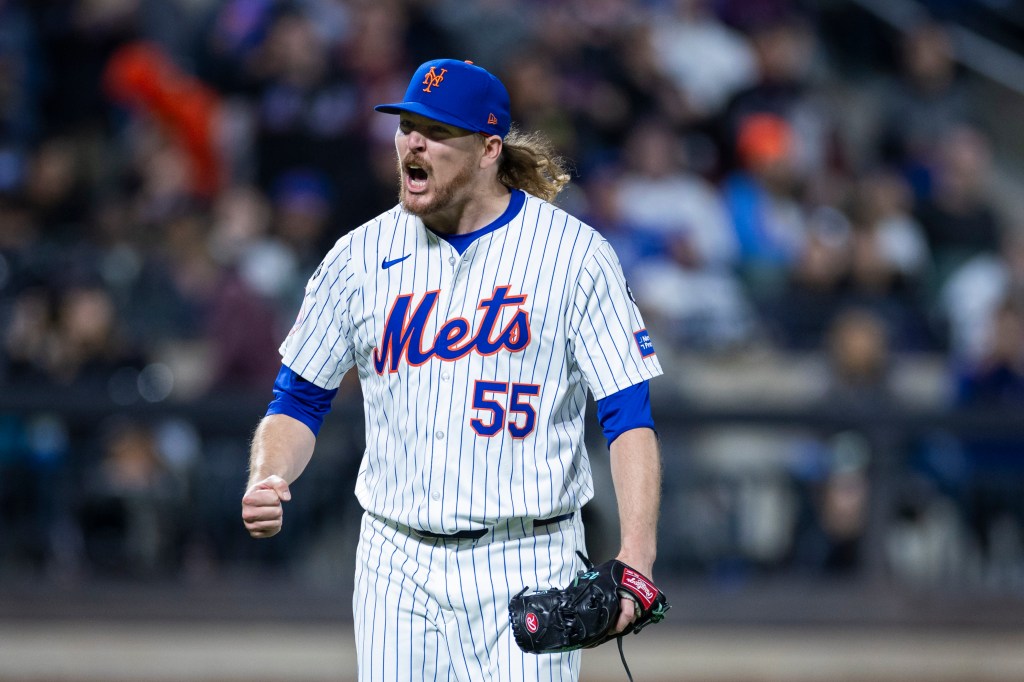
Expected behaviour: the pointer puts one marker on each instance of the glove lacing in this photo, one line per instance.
(622, 656)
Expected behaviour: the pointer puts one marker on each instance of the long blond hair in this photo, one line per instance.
(529, 162)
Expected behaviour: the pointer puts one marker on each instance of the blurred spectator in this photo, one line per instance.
(17, 254)
(193, 273)
(920, 104)
(611, 73)
(769, 221)
(386, 38)
(876, 258)
(992, 502)
(309, 113)
(657, 192)
(57, 189)
(89, 345)
(19, 93)
(980, 471)
(959, 219)
(638, 72)
(132, 506)
(708, 60)
(159, 172)
(887, 272)
(237, 325)
(35, 496)
(244, 336)
(996, 378)
(860, 356)
(832, 473)
(241, 217)
(302, 200)
(27, 335)
(230, 37)
(786, 89)
(76, 41)
(798, 310)
(536, 87)
(970, 298)
(69, 335)
(834, 492)
(689, 285)
(891, 252)
(142, 76)
(241, 238)
(507, 29)
(602, 211)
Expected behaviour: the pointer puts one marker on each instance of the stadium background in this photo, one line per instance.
(817, 202)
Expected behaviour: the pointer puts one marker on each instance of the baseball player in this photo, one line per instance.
(478, 315)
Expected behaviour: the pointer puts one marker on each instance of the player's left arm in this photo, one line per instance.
(636, 476)
(610, 343)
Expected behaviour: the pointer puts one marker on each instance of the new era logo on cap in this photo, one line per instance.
(457, 93)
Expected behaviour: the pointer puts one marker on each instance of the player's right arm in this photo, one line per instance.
(281, 449)
(284, 440)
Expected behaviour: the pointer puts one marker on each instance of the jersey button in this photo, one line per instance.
(439, 435)
(435, 495)
(451, 260)
(446, 376)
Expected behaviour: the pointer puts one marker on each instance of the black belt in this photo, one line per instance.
(480, 532)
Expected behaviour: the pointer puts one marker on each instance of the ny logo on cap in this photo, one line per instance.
(433, 79)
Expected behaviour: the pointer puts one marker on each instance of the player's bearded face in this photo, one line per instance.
(425, 190)
(437, 164)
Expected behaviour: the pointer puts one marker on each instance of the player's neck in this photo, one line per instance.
(479, 209)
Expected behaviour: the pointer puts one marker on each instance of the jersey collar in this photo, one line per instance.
(461, 242)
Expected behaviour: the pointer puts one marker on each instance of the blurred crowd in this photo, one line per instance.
(171, 172)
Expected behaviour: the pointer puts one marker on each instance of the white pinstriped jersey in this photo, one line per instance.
(474, 368)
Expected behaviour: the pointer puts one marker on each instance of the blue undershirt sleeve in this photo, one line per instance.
(300, 399)
(627, 409)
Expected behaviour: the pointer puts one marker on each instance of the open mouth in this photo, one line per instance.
(416, 177)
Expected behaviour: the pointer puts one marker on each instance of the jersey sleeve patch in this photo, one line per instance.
(644, 343)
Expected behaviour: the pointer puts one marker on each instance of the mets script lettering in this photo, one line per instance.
(404, 331)
(433, 79)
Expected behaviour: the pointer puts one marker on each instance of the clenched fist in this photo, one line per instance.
(262, 511)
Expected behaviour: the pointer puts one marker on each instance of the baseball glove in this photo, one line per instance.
(582, 614)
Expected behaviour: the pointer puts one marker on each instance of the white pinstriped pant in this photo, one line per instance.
(433, 609)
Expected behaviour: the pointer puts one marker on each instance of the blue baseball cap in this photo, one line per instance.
(457, 93)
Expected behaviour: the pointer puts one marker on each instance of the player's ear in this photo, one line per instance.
(492, 146)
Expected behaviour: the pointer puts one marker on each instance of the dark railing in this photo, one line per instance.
(892, 437)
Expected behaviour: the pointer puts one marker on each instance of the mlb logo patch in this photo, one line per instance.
(644, 343)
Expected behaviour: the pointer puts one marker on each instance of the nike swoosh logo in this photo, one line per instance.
(385, 264)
